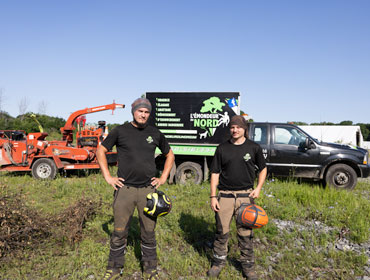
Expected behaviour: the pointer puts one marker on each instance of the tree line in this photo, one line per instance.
(27, 123)
(53, 124)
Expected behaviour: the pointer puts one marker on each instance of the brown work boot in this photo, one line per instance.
(250, 274)
(215, 270)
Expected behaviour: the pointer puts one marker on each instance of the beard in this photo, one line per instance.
(140, 125)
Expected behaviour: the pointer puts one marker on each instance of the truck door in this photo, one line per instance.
(259, 134)
(288, 156)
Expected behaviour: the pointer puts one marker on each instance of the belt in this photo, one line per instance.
(230, 195)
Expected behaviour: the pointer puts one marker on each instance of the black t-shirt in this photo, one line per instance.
(237, 164)
(136, 152)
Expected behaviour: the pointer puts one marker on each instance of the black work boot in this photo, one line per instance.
(215, 270)
(150, 270)
(113, 273)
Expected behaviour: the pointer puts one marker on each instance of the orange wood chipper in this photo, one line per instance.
(32, 152)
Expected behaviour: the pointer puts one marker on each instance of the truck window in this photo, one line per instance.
(260, 134)
(288, 136)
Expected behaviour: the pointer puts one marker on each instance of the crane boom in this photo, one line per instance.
(67, 129)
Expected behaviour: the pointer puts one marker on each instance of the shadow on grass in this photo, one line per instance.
(133, 234)
(197, 233)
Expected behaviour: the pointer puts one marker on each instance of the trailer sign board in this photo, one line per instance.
(193, 117)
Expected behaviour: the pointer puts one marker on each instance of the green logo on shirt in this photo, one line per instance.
(149, 139)
(247, 157)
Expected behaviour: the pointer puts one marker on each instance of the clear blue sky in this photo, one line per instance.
(290, 60)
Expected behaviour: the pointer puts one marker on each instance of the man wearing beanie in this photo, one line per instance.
(233, 172)
(136, 143)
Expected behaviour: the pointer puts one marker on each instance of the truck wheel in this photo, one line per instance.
(44, 168)
(341, 176)
(189, 173)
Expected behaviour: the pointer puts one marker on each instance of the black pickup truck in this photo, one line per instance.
(289, 151)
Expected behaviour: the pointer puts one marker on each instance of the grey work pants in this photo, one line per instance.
(126, 199)
(228, 207)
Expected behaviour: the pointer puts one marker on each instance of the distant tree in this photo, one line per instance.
(51, 124)
(26, 123)
(2, 98)
(23, 106)
(5, 120)
(323, 123)
(365, 130)
(42, 107)
(298, 123)
(346, 123)
(113, 125)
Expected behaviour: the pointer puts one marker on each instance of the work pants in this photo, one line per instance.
(229, 202)
(126, 199)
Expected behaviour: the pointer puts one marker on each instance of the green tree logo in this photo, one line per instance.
(247, 157)
(149, 139)
(212, 105)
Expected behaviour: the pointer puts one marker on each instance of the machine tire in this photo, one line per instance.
(44, 168)
(341, 176)
(189, 172)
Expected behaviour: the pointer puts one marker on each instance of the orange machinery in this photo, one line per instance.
(32, 152)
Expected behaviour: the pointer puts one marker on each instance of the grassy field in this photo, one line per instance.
(306, 223)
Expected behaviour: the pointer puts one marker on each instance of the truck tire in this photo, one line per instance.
(44, 168)
(341, 176)
(189, 172)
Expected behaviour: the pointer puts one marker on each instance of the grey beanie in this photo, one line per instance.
(141, 103)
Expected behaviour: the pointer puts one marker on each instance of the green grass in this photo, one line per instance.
(184, 234)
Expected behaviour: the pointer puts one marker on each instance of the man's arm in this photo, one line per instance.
(102, 160)
(215, 177)
(170, 158)
(261, 180)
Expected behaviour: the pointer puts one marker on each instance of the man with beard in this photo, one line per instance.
(136, 143)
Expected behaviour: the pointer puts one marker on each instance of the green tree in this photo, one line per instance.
(346, 123)
(365, 130)
(323, 123)
(298, 123)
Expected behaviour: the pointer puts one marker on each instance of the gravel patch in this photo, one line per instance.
(340, 244)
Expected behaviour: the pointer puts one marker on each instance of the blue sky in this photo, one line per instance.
(290, 60)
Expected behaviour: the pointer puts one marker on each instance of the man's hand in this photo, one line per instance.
(255, 193)
(214, 204)
(115, 182)
(156, 182)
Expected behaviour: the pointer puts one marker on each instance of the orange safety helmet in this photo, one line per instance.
(251, 216)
